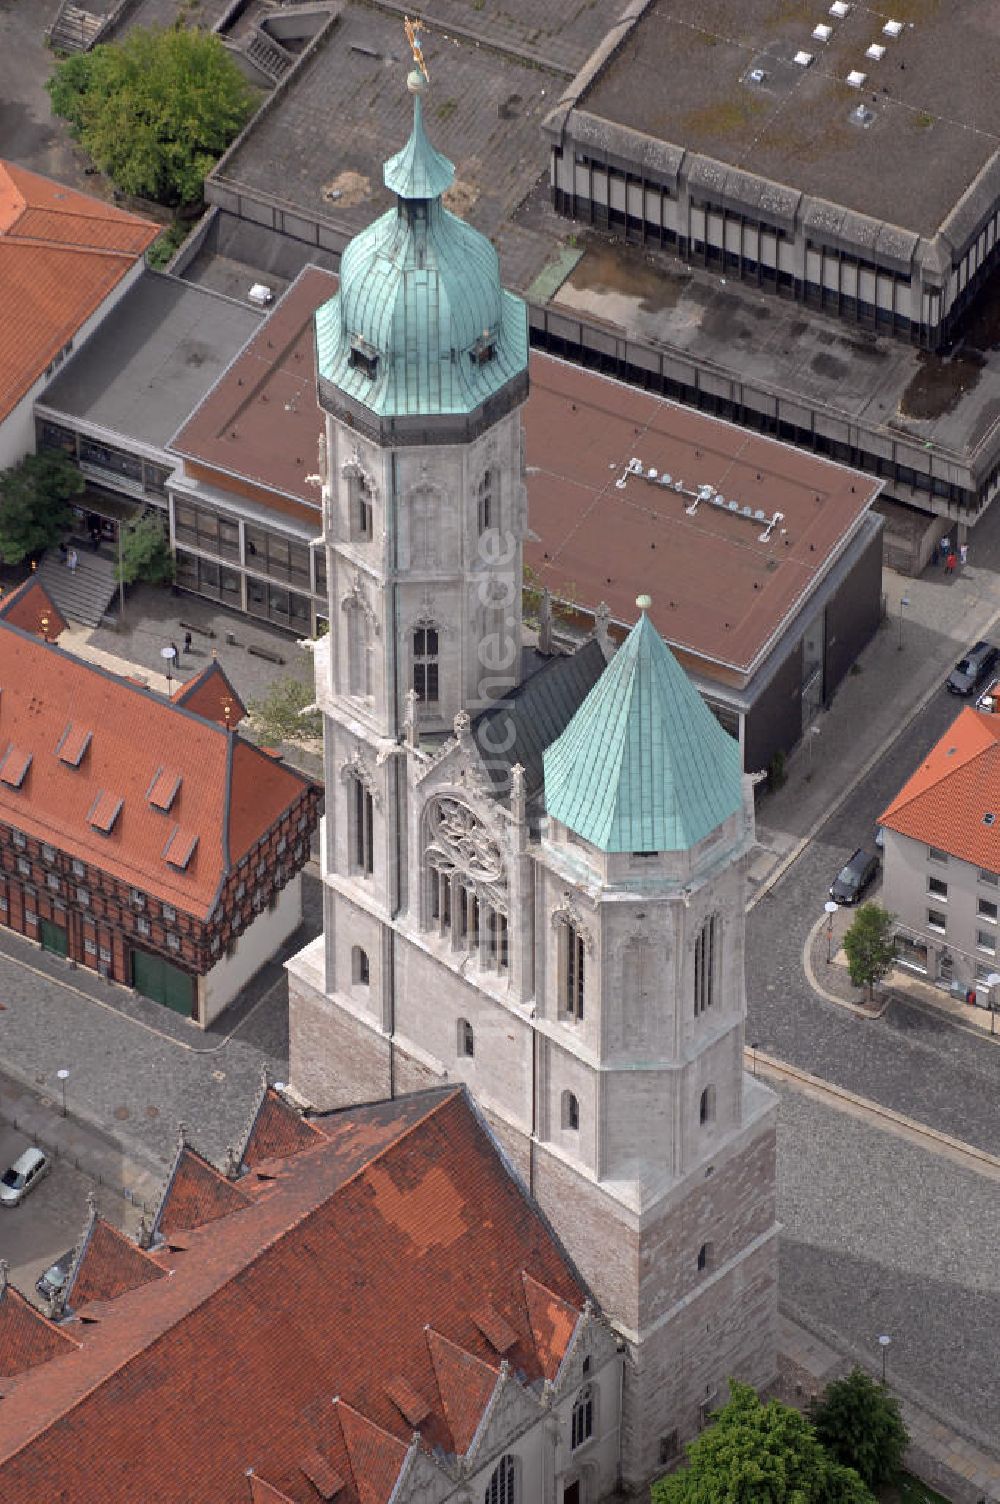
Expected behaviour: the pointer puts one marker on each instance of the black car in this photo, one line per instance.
(853, 878)
(979, 661)
(52, 1281)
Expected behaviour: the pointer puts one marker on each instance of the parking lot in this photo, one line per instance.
(51, 1218)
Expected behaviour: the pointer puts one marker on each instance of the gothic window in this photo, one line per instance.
(582, 1426)
(497, 940)
(488, 499)
(467, 884)
(362, 817)
(706, 965)
(424, 529)
(359, 652)
(425, 665)
(466, 1039)
(502, 1487)
(359, 502)
(360, 969)
(571, 965)
(570, 1111)
(706, 1107)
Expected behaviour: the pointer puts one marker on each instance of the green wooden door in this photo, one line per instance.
(53, 938)
(155, 977)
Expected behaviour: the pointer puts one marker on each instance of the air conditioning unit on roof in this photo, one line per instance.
(892, 28)
(839, 8)
(803, 59)
(856, 79)
(876, 51)
(822, 32)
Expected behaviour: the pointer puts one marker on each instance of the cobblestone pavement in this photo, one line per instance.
(137, 1070)
(881, 1235)
(911, 1059)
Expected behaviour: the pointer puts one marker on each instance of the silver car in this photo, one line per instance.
(24, 1174)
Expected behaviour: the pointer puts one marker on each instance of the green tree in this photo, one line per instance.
(278, 717)
(759, 1454)
(156, 110)
(35, 511)
(858, 1422)
(145, 553)
(870, 948)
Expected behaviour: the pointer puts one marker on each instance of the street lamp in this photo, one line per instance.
(831, 909)
(169, 654)
(813, 732)
(755, 1047)
(993, 980)
(883, 1343)
(904, 600)
(62, 1077)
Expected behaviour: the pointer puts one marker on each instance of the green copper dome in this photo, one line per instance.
(643, 765)
(421, 325)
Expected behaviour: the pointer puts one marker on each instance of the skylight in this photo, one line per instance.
(163, 790)
(14, 767)
(180, 848)
(105, 811)
(73, 744)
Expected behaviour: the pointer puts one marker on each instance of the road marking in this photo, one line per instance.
(887, 1118)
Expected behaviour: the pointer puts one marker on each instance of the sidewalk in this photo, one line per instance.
(874, 702)
(936, 1454)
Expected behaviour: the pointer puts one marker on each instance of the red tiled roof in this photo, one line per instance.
(196, 1194)
(100, 810)
(209, 693)
(61, 254)
(401, 1217)
(277, 1132)
(27, 605)
(26, 1337)
(946, 801)
(110, 1265)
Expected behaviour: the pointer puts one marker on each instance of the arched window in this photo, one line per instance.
(706, 1107)
(487, 501)
(466, 1039)
(360, 970)
(359, 503)
(359, 653)
(582, 1428)
(571, 969)
(570, 1111)
(502, 1487)
(704, 1258)
(706, 965)
(425, 665)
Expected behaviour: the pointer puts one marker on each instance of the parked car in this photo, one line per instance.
(51, 1283)
(853, 878)
(24, 1174)
(966, 676)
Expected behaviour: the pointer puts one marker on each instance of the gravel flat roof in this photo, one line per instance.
(153, 359)
(682, 76)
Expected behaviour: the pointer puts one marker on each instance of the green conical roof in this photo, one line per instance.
(643, 765)
(421, 325)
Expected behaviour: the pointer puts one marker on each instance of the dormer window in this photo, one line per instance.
(363, 356)
(484, 349)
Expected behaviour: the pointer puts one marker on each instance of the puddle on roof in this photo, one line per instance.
(614, 281)
(940, 383)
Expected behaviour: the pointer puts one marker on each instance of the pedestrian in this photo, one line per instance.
(944, 548)
(952, 561)
(72, 560)
(187, 642)
(63, 550)
(177, 657)
(963, 554)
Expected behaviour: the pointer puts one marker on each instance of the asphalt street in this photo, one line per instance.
(909, 1059)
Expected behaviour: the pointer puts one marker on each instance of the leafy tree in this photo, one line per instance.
(278, 715)
(859, 1423)
(145, 553)
(759, 1454)
(871, 952)
(35, 510)
(156, 110)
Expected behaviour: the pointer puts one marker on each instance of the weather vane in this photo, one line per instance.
(412, 28)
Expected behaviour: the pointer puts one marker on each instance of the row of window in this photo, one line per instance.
(422, 514)
(986, 908)
(986, 940)
(983, 875)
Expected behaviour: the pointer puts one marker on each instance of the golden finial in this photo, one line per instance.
(412, 28)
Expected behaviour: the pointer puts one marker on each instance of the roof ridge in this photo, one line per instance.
(904, 800)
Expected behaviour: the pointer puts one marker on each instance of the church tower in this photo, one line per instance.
(533, 862)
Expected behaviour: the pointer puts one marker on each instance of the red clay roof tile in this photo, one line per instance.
(209, 693)
(277, 1132)
(31, 608)
(99, 811)
(465, 1384)
(553, 1322)
(61, 254)
(945, 802)
(110, 1264)
(26, 1337)
(196, 1194)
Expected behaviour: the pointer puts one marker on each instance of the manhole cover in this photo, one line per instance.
(121, 1113)
(152, 1112)
(218, 1075)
